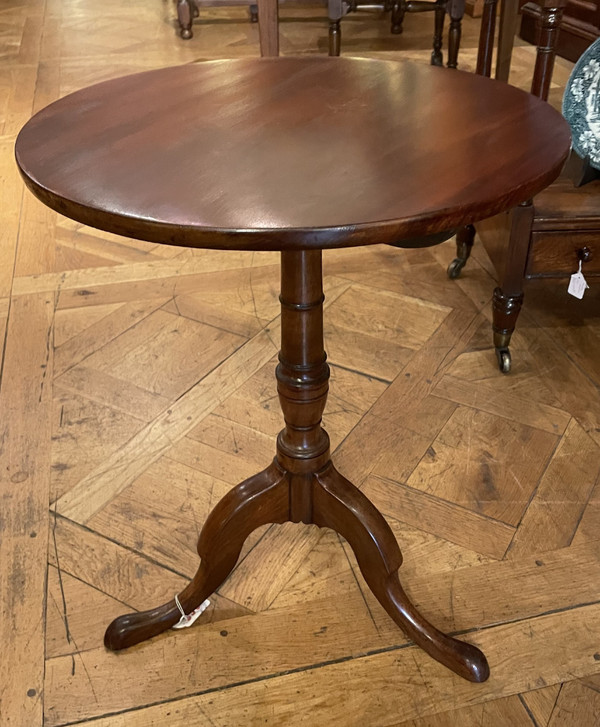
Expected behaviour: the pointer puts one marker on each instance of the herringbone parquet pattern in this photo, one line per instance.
(137, 388)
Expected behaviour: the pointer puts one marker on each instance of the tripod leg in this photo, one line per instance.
(257, 501)
(339, 505)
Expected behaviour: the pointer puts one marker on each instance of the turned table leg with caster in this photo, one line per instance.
(464, 244)
(508, 299)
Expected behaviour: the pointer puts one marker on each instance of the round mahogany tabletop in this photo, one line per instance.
(290, 153)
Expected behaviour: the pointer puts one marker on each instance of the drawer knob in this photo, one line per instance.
(585, 254)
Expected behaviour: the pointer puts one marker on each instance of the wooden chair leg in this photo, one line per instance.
(509, 20)
(454, 41)
(464, 244)
(268, 27)
(185, 13)
(437, 58)
(508, 298)
(336, 9)
(486, 38)
(398, 13)
(335, 37)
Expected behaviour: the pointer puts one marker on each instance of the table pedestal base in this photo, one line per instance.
(302, 485)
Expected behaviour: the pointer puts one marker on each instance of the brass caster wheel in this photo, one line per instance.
(504, 360)
(254, 13)
(437, 59)
(396, 29)
(185, 33)
(455, 267)
(195, 10)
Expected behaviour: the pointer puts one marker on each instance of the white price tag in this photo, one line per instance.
(577, 284)
(188, 619)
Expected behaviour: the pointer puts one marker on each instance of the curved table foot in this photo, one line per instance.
(132, 628)
(257, 501)
(339, 505)
(463, 659)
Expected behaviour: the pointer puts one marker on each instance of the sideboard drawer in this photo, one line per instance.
(551, 255)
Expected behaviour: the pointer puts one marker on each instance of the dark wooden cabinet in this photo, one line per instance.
(580, 26)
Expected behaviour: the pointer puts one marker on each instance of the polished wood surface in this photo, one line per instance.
(291, 153)
(127, 180)
(305, 640)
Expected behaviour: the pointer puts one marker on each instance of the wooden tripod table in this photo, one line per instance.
(296, 155)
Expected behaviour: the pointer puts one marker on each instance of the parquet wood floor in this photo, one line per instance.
(137, 387)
